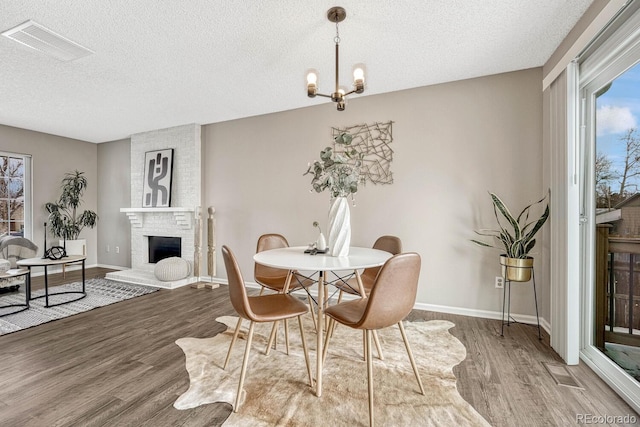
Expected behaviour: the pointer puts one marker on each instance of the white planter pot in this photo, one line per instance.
(75, 247)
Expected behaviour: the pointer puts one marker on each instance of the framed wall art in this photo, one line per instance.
(158, 168)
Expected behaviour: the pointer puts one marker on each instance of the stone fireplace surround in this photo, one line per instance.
(174, 221)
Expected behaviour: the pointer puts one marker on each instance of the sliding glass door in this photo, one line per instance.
(609, 89)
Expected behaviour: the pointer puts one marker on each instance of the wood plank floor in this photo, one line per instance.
(119, 366)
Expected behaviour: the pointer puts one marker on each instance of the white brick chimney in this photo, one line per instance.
(174, 221)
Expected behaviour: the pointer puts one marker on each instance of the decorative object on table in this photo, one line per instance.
(339, 172)
(321, 242)
(336, 14)
(65, 220)
(54, 252)
(339, 227)
(100, 292)
(158, 170)
(515, 239)
(373, 143)
(395, 381)
(172, 269)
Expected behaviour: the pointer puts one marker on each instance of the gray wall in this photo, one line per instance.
(453, 142)
(53, 156)
(114, 192)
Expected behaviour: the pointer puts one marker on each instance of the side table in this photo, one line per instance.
(45, 263)
(12, 274)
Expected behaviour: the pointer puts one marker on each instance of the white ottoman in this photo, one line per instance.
(171, 269)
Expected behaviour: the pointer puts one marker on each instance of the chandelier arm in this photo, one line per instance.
(349, 93)
(322, 94)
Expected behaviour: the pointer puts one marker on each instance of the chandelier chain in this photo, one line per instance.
(337, 37)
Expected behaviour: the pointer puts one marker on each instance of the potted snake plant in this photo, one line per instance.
(515, 237)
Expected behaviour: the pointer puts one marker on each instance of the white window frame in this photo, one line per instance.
(28, 191)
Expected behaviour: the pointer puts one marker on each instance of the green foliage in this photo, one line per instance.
(63, 214)
(515, 234)
(338, 172)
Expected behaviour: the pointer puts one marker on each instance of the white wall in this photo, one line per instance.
(453, 142)
(114, 192)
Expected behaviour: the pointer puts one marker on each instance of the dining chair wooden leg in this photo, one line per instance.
(272, 338)
(313, 313)
(340, 296)
(377, 343)
(243, 371)
(286, 335)
(411, 359)
(367, 351)
(261, 291)
(233, 341)
(328, 334)
(306, 351)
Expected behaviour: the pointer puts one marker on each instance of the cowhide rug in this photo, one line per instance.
(278, 393)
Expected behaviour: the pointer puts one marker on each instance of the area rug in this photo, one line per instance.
(277, 393)
(100, 292)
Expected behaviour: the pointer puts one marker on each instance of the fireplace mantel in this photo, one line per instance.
(182, 216)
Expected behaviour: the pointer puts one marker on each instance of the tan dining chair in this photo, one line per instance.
(392, 297)
(258, 309)
(391, 244)
(275, 279)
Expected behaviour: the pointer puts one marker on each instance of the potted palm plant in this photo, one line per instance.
(515, 237)
(64, 219)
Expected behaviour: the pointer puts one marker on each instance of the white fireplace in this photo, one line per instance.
(174, 221)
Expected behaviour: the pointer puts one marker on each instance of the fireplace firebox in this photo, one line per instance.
(164, 247)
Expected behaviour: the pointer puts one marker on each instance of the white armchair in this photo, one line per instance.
(13, 249)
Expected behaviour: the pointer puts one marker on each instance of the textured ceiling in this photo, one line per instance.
(161, 63)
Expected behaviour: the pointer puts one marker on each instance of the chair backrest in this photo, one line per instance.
(237, 291)
(14, 248)
(391, 244)
(394, 292)
(266, 242)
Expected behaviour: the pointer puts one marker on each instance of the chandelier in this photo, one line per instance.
(336, 14)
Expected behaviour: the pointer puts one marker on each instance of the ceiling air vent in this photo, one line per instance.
(44, 40)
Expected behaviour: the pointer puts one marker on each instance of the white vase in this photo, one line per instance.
(339, 227)
(321, 243)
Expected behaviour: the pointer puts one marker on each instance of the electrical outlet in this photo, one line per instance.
(117, 249)
(108, 249)
(499, 282)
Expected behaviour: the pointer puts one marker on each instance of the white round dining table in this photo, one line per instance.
(295, 259)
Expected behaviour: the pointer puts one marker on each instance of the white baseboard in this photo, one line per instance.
(485, 314)
(112, 267)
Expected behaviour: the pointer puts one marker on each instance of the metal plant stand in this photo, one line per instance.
(506, 298)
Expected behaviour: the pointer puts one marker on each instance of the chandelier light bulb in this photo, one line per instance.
(312, 78)
(358, 74)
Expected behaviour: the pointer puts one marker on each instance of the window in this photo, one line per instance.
(15, 195)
